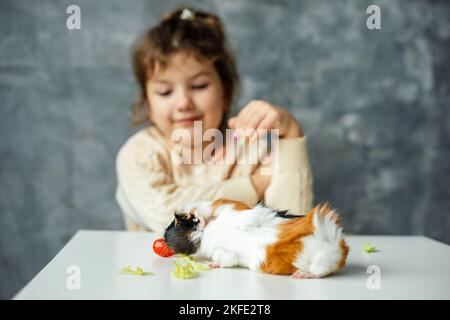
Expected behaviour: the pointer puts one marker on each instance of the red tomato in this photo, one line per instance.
(161, 248)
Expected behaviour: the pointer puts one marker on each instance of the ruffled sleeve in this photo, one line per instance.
(292, 182)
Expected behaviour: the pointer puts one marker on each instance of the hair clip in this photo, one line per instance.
(187, 14)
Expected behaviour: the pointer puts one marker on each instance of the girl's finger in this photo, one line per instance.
(271, 121)
(232, 122)
(254, 122)
(247, 113)
(242, 119)
(255, 125)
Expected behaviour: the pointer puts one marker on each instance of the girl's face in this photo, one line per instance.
(187, 90)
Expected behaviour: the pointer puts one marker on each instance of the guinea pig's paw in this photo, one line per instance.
(299, 274)
(213, 265)
(224, 258)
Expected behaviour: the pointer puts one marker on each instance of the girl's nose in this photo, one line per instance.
(184, 102)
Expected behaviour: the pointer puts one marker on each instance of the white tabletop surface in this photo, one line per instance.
(410, 267)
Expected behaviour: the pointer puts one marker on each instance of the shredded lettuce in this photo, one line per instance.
(138, 272)
(368, 248)
(187, 268)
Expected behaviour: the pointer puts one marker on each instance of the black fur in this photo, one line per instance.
(177, 234)
(281, 213)
(284, 214)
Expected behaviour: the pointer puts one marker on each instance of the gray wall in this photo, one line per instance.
(374, 104)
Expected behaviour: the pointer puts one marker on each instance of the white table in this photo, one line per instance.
(410, 267)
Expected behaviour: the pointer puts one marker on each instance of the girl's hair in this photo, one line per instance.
(183, 29)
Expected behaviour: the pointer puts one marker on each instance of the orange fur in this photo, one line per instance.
(344, 250)
(237, 205)
(281, 255)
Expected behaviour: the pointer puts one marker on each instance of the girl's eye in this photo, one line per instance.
(164, 93)
(200, 86)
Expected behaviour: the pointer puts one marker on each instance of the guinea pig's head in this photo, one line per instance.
(185, 233)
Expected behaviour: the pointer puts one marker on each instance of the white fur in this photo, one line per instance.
(321, 250)
(239, 238)
(203, 208)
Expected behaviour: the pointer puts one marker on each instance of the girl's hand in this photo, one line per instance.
(260, 182)
(258, 115)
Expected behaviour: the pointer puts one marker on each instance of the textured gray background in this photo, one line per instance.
(375, 105)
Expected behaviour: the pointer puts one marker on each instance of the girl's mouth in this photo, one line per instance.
(188, 121)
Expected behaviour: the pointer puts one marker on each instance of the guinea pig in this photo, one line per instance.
(230, 233)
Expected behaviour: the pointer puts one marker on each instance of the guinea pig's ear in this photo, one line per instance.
(178, 217)
(193, 213)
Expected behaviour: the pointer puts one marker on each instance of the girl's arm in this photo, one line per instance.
(290, 186)
(148, 196)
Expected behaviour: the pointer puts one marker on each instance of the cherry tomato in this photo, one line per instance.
(161, 248)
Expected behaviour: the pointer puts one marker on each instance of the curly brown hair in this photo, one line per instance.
(184, 29)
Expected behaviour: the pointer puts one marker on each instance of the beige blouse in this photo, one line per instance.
(150, 186)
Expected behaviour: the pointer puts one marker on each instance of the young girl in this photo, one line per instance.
(186, 74)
